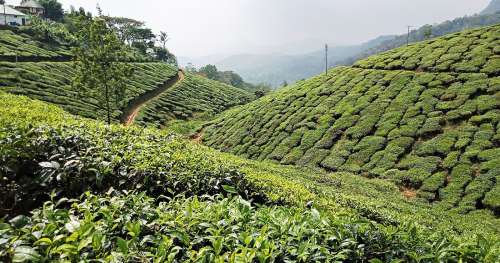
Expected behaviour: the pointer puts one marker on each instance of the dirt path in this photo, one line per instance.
(135, 105)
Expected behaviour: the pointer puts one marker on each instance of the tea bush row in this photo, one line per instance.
(136, 228)
(471, 51)
(193, 98)
(51, 82)
(408, 127)
(45, 150)
(14, 44)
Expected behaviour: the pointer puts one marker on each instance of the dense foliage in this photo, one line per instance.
(436, 135)
(16, 44)
(45, 150)
(471, 51)
(230, 78)
(51, 82)
(193, 98)
(99, 72)
(425, 32)
(135, 228)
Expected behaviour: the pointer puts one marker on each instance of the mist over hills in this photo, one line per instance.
(492, 8)
(275, 68)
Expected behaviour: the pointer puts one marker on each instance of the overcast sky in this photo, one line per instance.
(205, 27)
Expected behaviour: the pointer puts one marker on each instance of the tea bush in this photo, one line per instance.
(354, 118)
(49, 155)
(136, 228)
(51, 82)
(23, 46)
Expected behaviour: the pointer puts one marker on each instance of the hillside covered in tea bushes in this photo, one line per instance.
(15, 44)
(51, 82)
(77, 189)
(426, 117)
(44, 71)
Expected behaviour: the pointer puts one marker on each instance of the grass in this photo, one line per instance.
(408, 125)
(70, 156)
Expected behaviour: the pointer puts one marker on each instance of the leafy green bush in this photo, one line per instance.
(137, 228)
(443, 112)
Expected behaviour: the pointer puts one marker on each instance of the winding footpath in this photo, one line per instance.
(134, 106)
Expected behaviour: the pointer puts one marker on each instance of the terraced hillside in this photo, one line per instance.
(193, 97)
(41, 73)
(76, 189)
(20, 46)
(425, 117)
(51, 82)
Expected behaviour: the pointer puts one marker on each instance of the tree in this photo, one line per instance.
(49, 31)
(164, 55)
(427, 32)
(259, 93)
(190, 68)
(101, 74)
(284, 84)
(209, 71)
(163, 39)
(126, 28)
(53, 10)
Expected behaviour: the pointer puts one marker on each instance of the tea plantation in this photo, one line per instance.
(194, 97)
(51, 82)
(75, 189)
(23, 47)
(426, 117)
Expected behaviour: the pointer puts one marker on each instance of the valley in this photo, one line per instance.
(395, 158)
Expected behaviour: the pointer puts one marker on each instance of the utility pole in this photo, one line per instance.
(408, 36)
(326, 59)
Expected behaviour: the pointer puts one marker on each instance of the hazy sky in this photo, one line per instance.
(204, 27)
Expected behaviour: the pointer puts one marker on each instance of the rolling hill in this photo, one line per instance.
(42, 73)
(425, 117)
(78, 189)
(275, 68)
(492, 8)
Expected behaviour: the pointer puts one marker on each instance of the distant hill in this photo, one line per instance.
(425, 117)
(492, 8)
(275, 68)
(427, 32)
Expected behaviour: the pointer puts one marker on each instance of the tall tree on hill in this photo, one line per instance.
(163, 38)
(53, 10)
(209, 71)
(100, 72)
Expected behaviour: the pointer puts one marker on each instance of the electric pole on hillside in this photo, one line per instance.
(326, 59)
(408, 36)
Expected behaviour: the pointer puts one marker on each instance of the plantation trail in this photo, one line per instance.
(197, 137)
(135, 105)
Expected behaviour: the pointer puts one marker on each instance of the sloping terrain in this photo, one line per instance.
(51, 82)
(148, 195)
(43, 72)
(425, 117)
(193, 97)
(492, 8)
(23, 47)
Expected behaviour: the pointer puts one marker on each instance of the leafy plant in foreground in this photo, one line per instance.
(136, 228)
